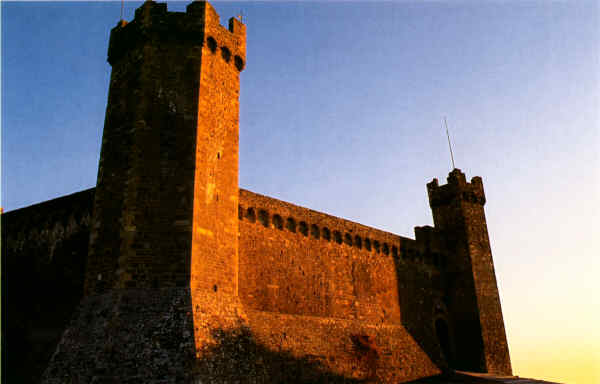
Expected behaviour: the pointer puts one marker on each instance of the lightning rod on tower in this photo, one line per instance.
(449, 144)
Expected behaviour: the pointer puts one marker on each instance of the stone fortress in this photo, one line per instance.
(168, 272)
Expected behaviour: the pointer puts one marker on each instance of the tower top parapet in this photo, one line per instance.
(154, 24)
(457, 189)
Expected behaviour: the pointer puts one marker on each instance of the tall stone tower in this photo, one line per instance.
(168, 174)
(477, 327)
(162, 263)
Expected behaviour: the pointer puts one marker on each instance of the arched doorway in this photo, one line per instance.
(441, 330)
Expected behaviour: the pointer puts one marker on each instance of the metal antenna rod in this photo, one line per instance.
(122, 1)
(449, 145)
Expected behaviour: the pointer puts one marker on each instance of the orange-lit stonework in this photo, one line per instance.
(181, 276)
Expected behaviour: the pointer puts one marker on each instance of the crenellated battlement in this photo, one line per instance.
(427, 250)
(457, 189)
(199, 25)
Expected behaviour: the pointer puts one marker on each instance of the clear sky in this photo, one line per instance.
(341, 111)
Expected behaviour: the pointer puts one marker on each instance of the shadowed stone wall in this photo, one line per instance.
(44, 252)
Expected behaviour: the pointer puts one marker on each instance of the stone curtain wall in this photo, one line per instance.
(337, 310)
(301, 269)
(44, 251)
(298, 261)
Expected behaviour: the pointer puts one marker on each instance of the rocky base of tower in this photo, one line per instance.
(127, 336)
(166, 335)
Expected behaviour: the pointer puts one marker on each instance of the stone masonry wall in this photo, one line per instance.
(44, 252)
(296, 261)
(368, 308)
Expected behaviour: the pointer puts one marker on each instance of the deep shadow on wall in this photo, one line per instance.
(421, 279)
(255, 362)
(44, 250)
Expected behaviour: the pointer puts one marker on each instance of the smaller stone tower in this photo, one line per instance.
(477, 327)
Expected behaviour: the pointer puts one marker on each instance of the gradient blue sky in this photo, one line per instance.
(341, 111)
